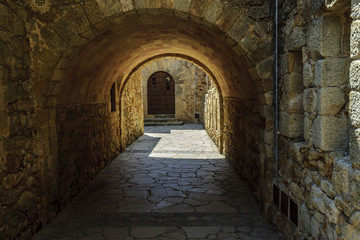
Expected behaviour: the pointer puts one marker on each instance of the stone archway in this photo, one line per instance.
(77, 50)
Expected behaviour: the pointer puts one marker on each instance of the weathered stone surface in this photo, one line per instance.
(355, 39)
(310, 100)
(341, 175)
(296, 39)
(331, 72)
(318, 199)
(291, 125)
(331, 100)
(213, 11)
(132, 111)
(212, 114)
(354, 108)
(355, 75)
(239, 29)
(348, 232)
(355, 147)
(291, 62)
(355, 220)
(293, 83)
(328, 188)
(292, 103)
(332, 212)
(305, 218)
(308, 75)
(324, 36)
(183, 6)
(330, 133)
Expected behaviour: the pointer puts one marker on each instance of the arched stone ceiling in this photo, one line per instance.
(112, 55)
(89, 45)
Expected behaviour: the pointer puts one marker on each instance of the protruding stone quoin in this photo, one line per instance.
(69, 103)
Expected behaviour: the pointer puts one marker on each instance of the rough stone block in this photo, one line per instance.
(308, 75)
(239, 29)
(355, 40)
(318, 199)
(332, 212)
(213, 11)
(324, 36)
(341, 175)
(355, 219)
(292, 103)
(355, 147)
(344, 205)
(332, 72)
(291, 62)
(330, 133)
(349, 232)
(310, 100)
(305, 219)
(331, 100)
(354, 108)
(264, 68)
(354, 76)
(291, 125)
(296, 39)
(293, 83)
(308, 122)
(328, 188)
(127, 5)
(355, 194)
(258, 12)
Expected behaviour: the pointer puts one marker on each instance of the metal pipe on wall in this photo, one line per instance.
(276, 90)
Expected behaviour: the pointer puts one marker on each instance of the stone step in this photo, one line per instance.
(172, 123)
(165, 121)
(161, 120)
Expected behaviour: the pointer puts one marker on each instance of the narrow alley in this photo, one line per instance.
(172, 183)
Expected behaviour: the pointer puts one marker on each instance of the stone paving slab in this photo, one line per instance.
(172, 183)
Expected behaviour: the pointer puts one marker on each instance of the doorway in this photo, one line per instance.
(161, 93)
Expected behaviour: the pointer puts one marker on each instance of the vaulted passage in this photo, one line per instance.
(75, 107)
(172, 183)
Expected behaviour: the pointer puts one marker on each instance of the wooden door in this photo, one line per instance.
(161, 94)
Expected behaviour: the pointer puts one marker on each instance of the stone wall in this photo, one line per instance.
(316, 171)
(132, 114)
(22, 186)
(243, 144)
(88, 139)
(212, 117)
(190, 87)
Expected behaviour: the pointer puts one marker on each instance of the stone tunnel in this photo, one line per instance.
(292, 133)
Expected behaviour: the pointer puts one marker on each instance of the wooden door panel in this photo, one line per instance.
(161, 94)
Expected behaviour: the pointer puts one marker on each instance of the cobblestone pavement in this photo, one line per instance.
(172, 183)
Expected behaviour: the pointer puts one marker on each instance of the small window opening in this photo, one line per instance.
(112, 98)
(293, 212)
(284, 205)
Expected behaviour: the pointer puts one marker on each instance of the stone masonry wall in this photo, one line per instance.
(243, 143)
(88, 139)
(190, 87)
(212, 120)
(132, 114)
(316, 171)
(23, 187)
